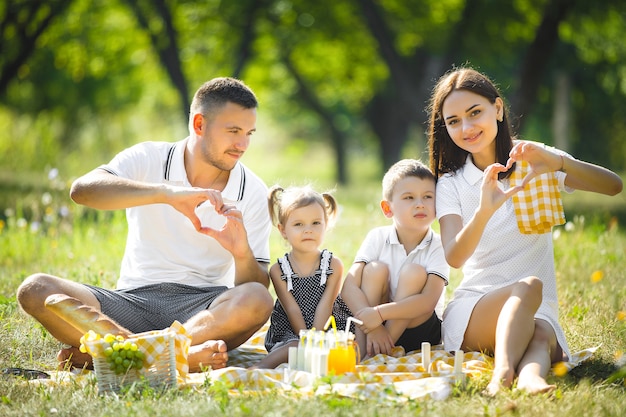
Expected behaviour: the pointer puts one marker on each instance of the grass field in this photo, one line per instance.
(41, 230)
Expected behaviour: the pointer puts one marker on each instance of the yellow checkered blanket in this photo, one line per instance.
(397, 377)
(538, 207)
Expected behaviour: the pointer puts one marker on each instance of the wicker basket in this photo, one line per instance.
(160, 374)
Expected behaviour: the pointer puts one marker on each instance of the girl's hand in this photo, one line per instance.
(540, 159)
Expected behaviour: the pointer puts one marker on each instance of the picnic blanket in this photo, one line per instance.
(396, 377)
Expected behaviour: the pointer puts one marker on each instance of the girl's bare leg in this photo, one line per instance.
(503, 323)
(275, 357)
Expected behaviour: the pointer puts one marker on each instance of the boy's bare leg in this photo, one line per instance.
(412, 281)
(375, 287)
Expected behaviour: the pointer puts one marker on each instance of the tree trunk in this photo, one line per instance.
(561, 118)
(537, 58)
(165, 43)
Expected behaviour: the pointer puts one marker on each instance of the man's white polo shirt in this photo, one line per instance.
(162, 244)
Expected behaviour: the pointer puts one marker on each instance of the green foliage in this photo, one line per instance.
(103, 82)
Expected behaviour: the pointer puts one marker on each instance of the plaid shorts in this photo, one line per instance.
(155, 306)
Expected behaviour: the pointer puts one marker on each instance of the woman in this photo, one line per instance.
(506, 304)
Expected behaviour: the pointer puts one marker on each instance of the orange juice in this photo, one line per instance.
(337, 358)
(351, 358)
(342, 359)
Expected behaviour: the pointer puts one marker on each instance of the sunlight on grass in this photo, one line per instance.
(42, 230)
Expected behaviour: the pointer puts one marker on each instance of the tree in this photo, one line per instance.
(155, 17)
(21, 24)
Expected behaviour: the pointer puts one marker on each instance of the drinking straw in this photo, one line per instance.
(350, 321)
(426, 355)
(331, 320)
(458, 364)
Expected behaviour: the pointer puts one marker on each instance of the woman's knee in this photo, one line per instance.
(529, 290)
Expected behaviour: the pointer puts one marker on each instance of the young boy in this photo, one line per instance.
(396, 283)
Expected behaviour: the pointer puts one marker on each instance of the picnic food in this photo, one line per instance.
(122, 354)
(81, 316)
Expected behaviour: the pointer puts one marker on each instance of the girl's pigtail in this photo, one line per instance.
(331, 207)
(273, 203)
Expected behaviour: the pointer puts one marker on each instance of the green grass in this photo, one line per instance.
(46, 232)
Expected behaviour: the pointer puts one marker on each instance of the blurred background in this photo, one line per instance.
(347, 81)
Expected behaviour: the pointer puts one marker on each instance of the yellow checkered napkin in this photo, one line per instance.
(538, 206)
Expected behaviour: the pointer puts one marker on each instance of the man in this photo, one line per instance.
(198, 235)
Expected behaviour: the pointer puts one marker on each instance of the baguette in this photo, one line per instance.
(83, 317)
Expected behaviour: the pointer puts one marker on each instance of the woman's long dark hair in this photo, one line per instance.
(445, 155)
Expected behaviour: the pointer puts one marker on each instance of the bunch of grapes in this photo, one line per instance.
(122, 354)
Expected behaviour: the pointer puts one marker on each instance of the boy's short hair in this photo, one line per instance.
(402, 169)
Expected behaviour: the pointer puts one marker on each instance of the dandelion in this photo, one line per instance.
(597, 276)
(621, 315)
(569, 227)
(53, 174)
(21, 223)
(64, 211)
(2, 224)
(46, 199)
(560, 369)
(556, 233)
(35, 226)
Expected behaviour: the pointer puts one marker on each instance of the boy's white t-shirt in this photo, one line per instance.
(162, 244)
(382, 244)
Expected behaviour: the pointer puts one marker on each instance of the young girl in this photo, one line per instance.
(307, 280)
(506, 303)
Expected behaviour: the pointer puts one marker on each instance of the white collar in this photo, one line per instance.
(392, 238)
(471, 172)
(175, 172)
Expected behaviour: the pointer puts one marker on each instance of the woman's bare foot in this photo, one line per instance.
(210, 354)
(72, 357)
(534, 384)
(500, 379)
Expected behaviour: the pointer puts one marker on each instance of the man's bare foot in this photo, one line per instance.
(210, 354)
(72, 357)
(534, 384)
